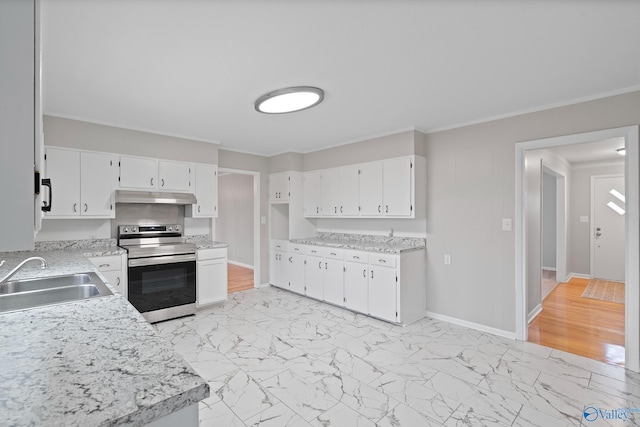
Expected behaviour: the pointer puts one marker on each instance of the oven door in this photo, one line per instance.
(157, 283)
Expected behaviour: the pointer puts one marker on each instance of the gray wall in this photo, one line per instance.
(250, 162)
(548, 220)
(385, 147)
(16, 125)
(90, 136)
(286, 162)
(470, 187)
(580, 205)
(235, 216)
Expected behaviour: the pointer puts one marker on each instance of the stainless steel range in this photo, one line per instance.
(162, 270)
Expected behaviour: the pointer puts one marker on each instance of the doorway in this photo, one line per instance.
(238, 224)
(525, 266)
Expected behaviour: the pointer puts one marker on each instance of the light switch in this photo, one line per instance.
(447, 259)
(584, 218)
(506, 224)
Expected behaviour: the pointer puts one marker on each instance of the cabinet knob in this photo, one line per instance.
(118, 284)
(151, 181)
(379, 209)
(198, 208)
(74, 207)
(86, 207)
(162, 182)
(387, 209)
(320, 265)
(364, 273)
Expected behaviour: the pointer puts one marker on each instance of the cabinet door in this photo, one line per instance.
(397, 187)
(330, 192)
(280, 269)
(138, 172)
(296, 273)
(313, 272)
(370, 189)
(206, 184)
(312, 194)
(63, 169)
(115, 278)
(211, 281)
(279, 187)
(348, 191)
(95, 185)
(382, 292)
(333, 281)
(174, 176)
(356, 286)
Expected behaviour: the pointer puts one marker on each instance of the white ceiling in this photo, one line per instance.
(193, 68)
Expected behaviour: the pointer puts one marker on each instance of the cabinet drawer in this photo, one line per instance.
(356, 256)
(107, 263)
(313, 250)
(279, 245)
(204, 254)
(332, 253)
(383, 259)
(297, 248)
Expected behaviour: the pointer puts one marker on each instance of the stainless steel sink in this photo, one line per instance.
(31, 293)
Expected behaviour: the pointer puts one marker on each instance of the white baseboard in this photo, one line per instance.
(534, 313)
(263, 285)
(239, 264)
(577, 276)
(472, 325)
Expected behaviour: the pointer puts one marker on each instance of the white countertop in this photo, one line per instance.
(86, 363)
(363, 242)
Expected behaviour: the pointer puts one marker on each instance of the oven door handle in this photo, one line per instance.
(169, 259)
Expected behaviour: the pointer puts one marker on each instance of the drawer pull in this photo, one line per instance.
(313, 252)
(296, 249)
(356, 257)
(382, 260)
(333, 253)
(104, 265)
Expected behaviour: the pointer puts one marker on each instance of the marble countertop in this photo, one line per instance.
(91, 362)
(365, 242)
(204, 242)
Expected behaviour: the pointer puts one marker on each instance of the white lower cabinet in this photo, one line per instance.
(211, 276)
(356, 286)
(279, 264)
(313, 275)
(387, 286)
(114, 269)
(296, 272)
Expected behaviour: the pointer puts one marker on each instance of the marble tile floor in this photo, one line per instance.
(273, 358)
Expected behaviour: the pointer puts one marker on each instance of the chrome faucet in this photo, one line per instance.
(391, 233)
(43, 264)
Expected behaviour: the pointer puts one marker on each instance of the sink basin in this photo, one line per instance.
(31, 293)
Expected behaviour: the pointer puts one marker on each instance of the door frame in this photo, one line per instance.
(256, 218)
(561, 222)
(632, 226)
(592, 207)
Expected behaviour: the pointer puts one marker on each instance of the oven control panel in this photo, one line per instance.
(149, 229)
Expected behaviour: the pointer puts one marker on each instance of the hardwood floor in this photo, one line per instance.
(239, 278)
(583, 326)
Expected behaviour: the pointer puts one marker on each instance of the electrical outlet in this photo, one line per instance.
(447, 259)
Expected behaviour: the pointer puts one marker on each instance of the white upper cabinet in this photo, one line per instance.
(370, 181)
(398, 186)
(81, 183)
(330, 191)
(139, 173)
(382, 188)
(96, 192)
(206, 186)
(348, 191)
(174, 176)
(279, 187)
(312, 194)
(142, 173)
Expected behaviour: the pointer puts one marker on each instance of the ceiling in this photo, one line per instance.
(193, 68)
(590, 152)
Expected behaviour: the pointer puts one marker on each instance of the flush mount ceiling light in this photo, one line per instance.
(289, 99)
(621, 151)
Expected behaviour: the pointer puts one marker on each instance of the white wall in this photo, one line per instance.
(471, 187)
(234, 224)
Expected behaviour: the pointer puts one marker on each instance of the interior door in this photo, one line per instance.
(608, 228)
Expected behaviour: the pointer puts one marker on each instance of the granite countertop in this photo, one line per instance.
(85, 363)
(365, 242)
(204, 242)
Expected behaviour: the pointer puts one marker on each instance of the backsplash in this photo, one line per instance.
(74, 244)
(367, 238)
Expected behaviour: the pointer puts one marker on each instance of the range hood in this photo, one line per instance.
(126, 196)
